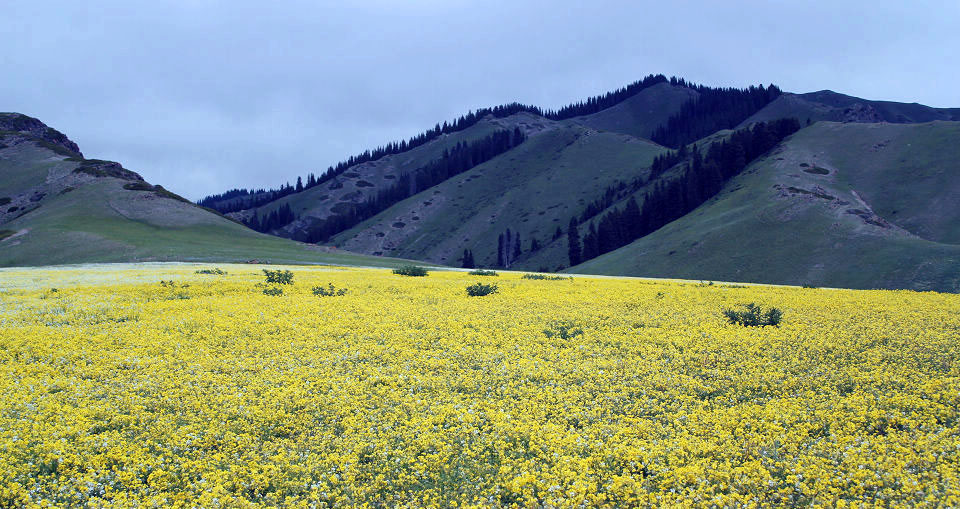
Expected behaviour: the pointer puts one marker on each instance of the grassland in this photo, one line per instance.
(120, 391)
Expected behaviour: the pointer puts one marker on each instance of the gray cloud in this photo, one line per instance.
(204, 95)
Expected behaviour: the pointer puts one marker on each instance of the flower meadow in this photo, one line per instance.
(117, 391)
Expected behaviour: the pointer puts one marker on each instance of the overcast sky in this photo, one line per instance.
(202, 96)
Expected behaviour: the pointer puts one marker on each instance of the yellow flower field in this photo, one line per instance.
(117, 391)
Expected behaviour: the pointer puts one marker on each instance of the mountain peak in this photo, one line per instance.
(20, 123)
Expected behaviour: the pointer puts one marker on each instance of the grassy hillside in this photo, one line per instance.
(852, 205)
(533, 189)
(829, 105)
(365, 180)
(641, 114)
(56, 210)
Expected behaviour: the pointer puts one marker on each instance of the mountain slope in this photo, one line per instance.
(533, 189)
(57, 207)
(365, 180)
(832, 106)
(852, 205)
(641, 114)
(352, 191)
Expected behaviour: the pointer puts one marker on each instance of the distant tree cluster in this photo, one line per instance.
(468, 262)
(275, 220)
(235, 200)
(508, 248)
(610, 196)
(701, 178)
(602, 102)
(456, 160)
(714, 109)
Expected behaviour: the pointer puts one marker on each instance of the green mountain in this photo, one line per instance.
(364, 180)
(860, 198)
(57, 207)
(836, 204)
(863, 195)
(531, 190)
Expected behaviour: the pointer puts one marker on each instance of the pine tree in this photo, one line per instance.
(591, 247)
(500, 257)
(573, 242)
(632, 220)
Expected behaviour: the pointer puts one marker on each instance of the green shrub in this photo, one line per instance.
(754, 316)
(481, 289)
(175, 294)
(280, 277)
(273, 291)
(482, 272)
(214, 271)
(138, 186)
(563, 329)
(546, 277)
(410, 270)
(329, 291)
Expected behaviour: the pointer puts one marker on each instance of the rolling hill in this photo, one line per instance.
(57, 207)
(859, 205)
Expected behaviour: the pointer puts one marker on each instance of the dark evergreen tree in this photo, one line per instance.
(507, 248)
(632, 219)
(591, 246)
(573, 242)
(501, 260)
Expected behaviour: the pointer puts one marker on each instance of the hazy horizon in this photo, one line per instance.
(206, 96)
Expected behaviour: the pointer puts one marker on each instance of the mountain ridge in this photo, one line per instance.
(857, 191)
